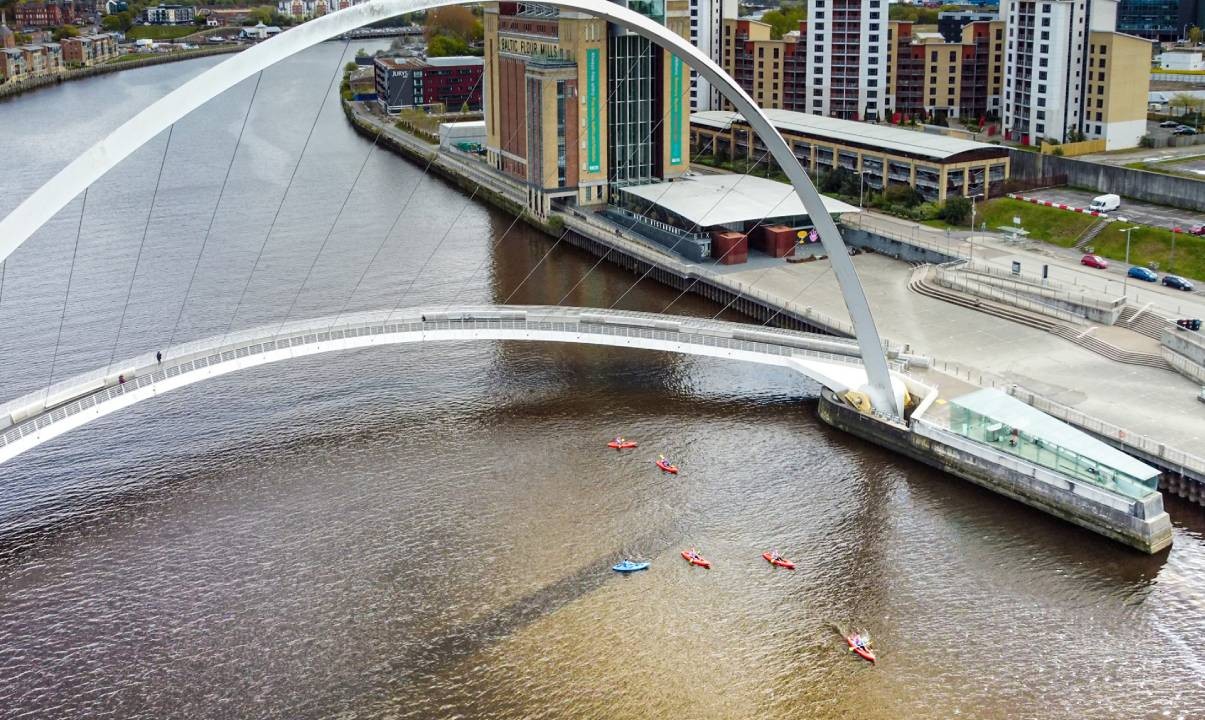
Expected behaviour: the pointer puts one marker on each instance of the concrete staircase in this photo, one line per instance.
(1144, 321)
(921, 283)
(1090, 234)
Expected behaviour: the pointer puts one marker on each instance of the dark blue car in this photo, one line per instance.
(1177, 282)
(1142, 274)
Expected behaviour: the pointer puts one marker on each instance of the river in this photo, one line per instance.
(426, 531)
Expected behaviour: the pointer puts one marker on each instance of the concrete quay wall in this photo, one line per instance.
(1143, 525)
(1180, 192)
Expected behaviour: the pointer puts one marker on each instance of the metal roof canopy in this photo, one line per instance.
(1006, 409)
(885, 137)
(709, 200)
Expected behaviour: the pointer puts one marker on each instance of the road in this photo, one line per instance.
(1132, 210)
(1063, 263)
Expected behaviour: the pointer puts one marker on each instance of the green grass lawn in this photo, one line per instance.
(1150, 244)
(1059, 227)
(128, 57)
(1167, 167)
(160, 32)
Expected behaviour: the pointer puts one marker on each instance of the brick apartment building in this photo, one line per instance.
(448, 81)
(49, 13)
(88, 50)
(773, 72)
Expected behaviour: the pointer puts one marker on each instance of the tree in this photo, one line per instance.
(118, 22)
(261, 14)
(445, 45)
(784, 20)
(455, 20)
(956, 211)
(905, 195)
(1194, 35)
(65, 31)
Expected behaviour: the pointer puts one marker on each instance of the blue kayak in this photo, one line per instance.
(628, 566)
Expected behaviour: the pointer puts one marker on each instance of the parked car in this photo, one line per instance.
(1184, 130)
(1169, 124)
(1143, 274)
(1197, 230)
(1177, 282)
(1094, 261)
(1105, 203)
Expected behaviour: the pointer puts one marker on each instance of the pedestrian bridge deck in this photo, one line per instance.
(43, 415)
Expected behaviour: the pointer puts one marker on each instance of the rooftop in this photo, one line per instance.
(1000, 406)
(455, 60)
(885, 137)
(708, 200)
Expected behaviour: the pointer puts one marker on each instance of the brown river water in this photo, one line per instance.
(426, 531)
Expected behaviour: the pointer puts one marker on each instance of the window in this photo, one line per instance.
(999, 36)
(1041, 102)
(1098, 118)
(1042, 62)
(1102, 63)
(874, 37)
(1100, 103)
(953, 55)
(1044, 49)
(932, 69)
(1045, 22)
(1041, 128)
(761, 52)
(872, 93)
(1102, 77)
(1104, 49)
(775, 53)
(1045, 34)
(1041, 115)
(1042, 75)
(1041, 89)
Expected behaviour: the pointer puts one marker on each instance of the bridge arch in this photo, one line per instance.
(47, 200)
(42, 416)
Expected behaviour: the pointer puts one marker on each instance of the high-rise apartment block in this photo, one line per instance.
(706, 33)
(576, 107)
(847, 67)
(1068, 75)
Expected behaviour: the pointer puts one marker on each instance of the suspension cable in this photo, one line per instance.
(694, 226)
(331, 230)
(221, 192)
(66, 296)
(522, 211)
(142, 244)
(396, 219)
(285, 195)
(796, 296)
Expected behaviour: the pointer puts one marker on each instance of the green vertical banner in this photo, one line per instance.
(675, 110)
(593, 152)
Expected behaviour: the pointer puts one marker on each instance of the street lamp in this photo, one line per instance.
(971, 237)
(1124, 278)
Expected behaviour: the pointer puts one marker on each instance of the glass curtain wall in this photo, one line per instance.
(632, 124)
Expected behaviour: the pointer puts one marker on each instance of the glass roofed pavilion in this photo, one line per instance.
(1000, 420)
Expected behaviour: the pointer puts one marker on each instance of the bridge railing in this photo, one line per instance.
(70, 397)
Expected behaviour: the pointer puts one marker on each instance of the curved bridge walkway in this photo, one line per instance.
(41, 416)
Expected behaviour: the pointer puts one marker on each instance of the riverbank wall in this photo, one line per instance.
(1141, 524)
(604, 238)
(12, 89)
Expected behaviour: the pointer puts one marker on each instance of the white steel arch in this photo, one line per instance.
(104, 155)
(46, 414)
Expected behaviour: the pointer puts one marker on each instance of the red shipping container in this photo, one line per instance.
(729, 248)
(779, 241)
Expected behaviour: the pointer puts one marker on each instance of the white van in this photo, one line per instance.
(1105, 203)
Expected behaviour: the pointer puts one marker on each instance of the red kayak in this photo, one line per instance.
(696, 559)
(781, 562)
(625, 445)
(664, 465)
(863, 653)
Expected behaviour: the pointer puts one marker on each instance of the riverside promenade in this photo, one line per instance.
(1150, 411)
